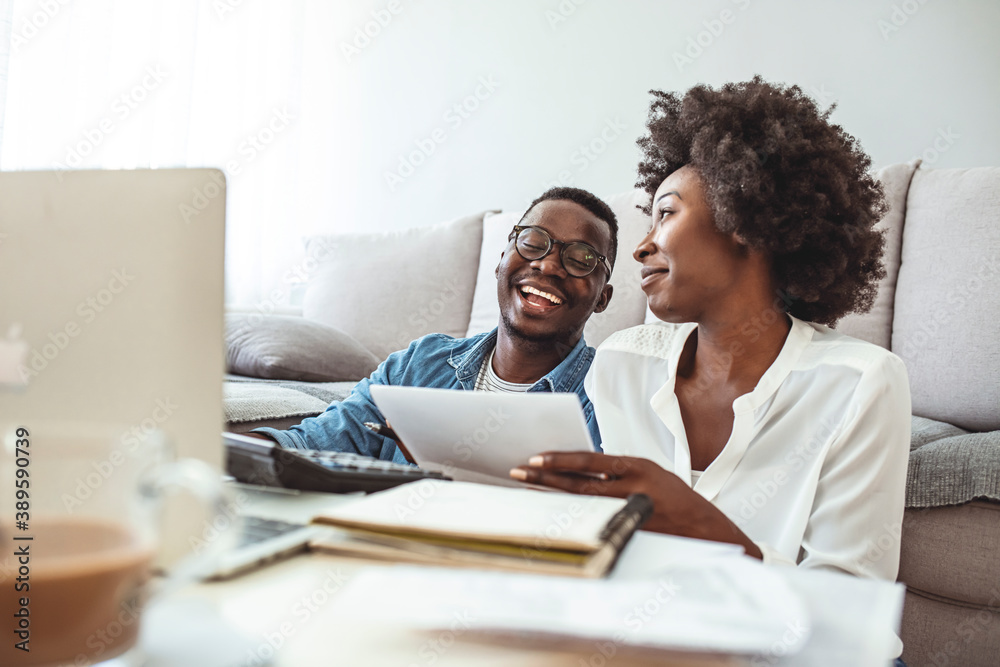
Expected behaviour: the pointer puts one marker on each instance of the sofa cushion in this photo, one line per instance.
(252, 400)
(924, 431)
(387, 289)
(937, 633)
(628, 303)
(282, 347)
(953, 470)
(948, 296)
(485, 309)
(875, 326)
(951, 552)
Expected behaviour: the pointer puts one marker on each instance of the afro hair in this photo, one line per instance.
(787, 181)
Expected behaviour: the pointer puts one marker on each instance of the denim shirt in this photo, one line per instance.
(436, 361)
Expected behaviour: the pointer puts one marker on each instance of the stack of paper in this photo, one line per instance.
(460, 523)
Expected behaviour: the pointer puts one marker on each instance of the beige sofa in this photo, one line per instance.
(936, 309)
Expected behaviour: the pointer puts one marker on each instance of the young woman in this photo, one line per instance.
(747, 419)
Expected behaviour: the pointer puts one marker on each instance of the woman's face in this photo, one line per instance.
(689, 268)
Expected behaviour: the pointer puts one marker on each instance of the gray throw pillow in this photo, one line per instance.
(282, 347)
(389, 288)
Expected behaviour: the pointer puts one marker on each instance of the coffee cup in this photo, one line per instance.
(81, 537)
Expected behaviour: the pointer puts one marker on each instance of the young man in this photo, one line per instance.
(552, 276)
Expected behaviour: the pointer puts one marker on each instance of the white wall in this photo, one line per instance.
(911, 77)
(903, 82)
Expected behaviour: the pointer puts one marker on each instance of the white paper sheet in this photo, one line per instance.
(649, 554)
(854, 621)
(479, 436)
(732, 605)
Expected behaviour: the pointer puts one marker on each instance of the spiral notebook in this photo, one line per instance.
(475, 525)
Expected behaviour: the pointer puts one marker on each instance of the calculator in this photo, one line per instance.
(263, 462)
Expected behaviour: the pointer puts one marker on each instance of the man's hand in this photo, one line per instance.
(259, 436)
(677, 509)
(386, 431)
(402, 448)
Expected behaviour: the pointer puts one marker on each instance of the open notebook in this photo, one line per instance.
(464, 524)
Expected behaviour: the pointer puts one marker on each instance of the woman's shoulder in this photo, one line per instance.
(829, 346)
(635, 362)
(646, 340)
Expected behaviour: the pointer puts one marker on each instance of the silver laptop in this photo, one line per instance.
(111, 294)
(111, 305)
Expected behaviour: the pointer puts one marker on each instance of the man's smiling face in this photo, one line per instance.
(539, 300)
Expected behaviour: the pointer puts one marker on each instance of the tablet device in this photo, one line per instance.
(478, 436)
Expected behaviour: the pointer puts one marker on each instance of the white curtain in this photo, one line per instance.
(6, 11)
(246, 86)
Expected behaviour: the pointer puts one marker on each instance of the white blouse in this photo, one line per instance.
(814, 471)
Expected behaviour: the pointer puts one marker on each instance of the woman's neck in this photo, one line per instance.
(737, 351)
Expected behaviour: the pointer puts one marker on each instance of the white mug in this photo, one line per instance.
(81, 534)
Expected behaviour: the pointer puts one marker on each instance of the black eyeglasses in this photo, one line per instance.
(579, 259)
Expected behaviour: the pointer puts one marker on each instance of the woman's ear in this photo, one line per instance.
(741, 244)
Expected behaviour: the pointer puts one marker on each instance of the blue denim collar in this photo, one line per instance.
(563, 378)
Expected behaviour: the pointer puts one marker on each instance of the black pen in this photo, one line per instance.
(386, 430)
(381, 429)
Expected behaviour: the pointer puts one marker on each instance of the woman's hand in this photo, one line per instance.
(677, 509)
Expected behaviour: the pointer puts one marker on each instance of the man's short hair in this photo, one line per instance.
(592, 203)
